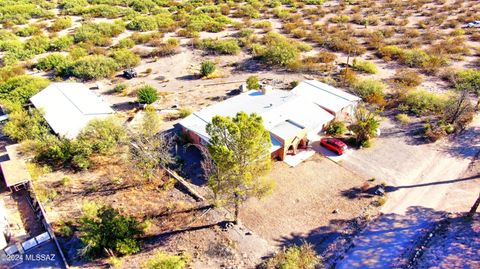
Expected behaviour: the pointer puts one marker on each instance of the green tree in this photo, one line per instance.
(23, 125)
(103, 135)
(252, 83)
(295, 257)
(365, 126)
(19, 89)
(240, 149)
(110, 231)
(207, 68)
(147, 95)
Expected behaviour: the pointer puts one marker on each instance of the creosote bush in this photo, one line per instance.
(365, 66)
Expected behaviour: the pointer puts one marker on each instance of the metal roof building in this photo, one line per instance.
(68, 107)
(289, 116)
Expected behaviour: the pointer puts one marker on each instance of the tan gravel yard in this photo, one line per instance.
(304, 199)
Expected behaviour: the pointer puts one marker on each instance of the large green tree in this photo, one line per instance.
(106, 230)
(239, 148)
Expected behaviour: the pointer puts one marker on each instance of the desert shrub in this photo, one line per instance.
(61, 43)
(265, 25)
(103, 136)
(98, 33)
(188, 33)
(120, 88)
(64, 229)
(165, 261)
(408, 78)
(25, 125)
(125, 58)
(53, 61)
(226, 46)
(348, 77)
(469, 80)
(11, 71)
(252, 83)
(326, 57)
(340, 19)
(278, 50)
(370, 90)
(303, 256)
(18, 89)
(126, 43)
(184, 112)
(28, 31)
(414, 58)
(422, 102)
(390, 52)
(207, 68)
(403, 118)
(313, 2)
(204, 22)
(375, 39)
(77, 53)
(38, 44)
(61, 152)
(147, 95)
(365, 66)
(169, 47)
(21, 12)
(248, 11)
(109, 230)
(143, 23)
(14, 56)
(94, 67)
(61, 24)
(336, 128)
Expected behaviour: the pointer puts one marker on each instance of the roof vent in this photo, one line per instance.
(265, 89)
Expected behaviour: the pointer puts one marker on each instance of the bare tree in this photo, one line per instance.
(475, 206)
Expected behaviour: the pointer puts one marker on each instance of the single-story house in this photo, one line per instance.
(290, 116)
(339, 103)
(69, 107)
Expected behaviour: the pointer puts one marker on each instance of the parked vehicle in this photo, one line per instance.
(473, 24)
(129, 74)
(334, 144)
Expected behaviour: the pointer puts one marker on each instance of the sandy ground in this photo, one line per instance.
(303, 202)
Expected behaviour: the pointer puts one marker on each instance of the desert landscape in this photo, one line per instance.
(413, 65)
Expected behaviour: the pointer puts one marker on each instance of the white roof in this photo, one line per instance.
(284, 113)
(68, 107)
(326, 96)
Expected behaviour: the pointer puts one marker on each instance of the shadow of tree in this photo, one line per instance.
(358, 193)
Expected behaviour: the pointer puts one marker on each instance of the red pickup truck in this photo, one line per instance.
(334, 144)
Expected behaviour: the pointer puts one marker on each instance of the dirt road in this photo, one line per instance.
(424, 181)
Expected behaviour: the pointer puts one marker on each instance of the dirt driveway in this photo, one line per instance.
(421, 174)
(303, 202)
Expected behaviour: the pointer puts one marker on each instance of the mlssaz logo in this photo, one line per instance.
(39, 257)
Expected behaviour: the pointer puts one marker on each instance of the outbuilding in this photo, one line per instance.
(69, 107)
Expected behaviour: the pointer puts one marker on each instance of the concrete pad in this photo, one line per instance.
(294, 160)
